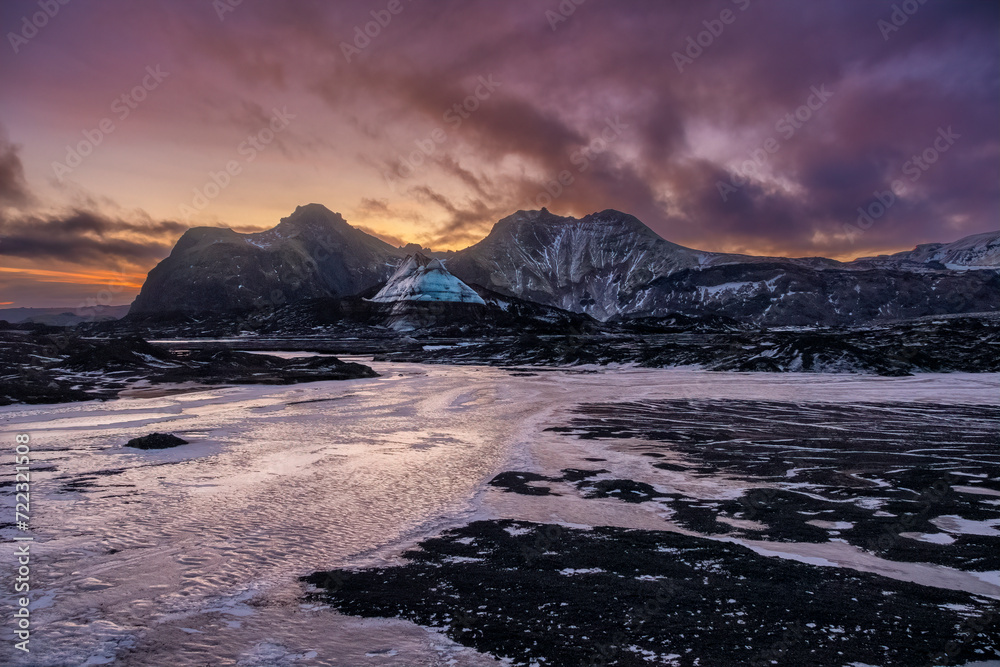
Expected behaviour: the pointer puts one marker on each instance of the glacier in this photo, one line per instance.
(420, 278)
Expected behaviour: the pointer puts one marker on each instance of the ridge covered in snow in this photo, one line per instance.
(979, 251)
(610, 265)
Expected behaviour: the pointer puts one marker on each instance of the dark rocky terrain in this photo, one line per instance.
(53, 364)
(527, 334)
(967, 344)
(548, 594)
(868, 474)
(901, 482)
(50, 365)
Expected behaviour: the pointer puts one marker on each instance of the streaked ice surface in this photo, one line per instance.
(422, 279)
(191, 555)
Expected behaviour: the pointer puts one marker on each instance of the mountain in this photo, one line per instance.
(579, 265)
(790, 294)
(607, 265)
(62, 317)
(310, 254)
(979, 251)
(610, 265)
(419, 278)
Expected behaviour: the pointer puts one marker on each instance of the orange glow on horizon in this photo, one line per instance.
(133, 280)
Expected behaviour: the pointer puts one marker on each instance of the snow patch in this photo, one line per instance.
(951, 523)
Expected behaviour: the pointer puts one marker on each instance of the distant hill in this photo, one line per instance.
(979, 251)
(62, 317)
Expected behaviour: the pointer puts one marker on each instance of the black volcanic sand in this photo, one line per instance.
(636, 597)
(887, 469)
(526, 483)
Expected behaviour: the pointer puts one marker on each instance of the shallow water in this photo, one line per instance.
(191, 555)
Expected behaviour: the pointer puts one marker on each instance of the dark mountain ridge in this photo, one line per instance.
(606, 265)
(312, 253)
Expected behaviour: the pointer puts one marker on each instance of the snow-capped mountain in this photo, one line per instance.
(790, 294)
(578, 265)
(595, 265)
(979, 251)
(419, 278)
(606, 265)
(610, 265)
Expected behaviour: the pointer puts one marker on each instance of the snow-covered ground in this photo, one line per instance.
(191, 555)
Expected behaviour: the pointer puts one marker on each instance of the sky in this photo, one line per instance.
(835, 128)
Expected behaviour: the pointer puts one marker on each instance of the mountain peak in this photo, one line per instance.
(528, 228)
(614, 217)
(313, 214)
(419, 258)
(312, 210)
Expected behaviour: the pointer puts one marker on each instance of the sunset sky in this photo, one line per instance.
(755, 126)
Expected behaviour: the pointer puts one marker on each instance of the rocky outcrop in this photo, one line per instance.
(156, 441)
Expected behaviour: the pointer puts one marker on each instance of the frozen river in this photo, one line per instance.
(191, 556)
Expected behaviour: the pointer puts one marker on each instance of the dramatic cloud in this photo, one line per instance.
(13, 187)
(740, 125)
(675, 131)
(85, 237)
